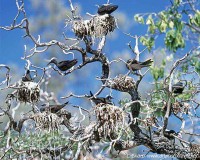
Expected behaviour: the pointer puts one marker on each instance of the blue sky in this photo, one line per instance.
(12, 43)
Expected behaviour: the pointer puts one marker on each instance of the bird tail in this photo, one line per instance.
(91, 94)
(147, 63)
(73, 62)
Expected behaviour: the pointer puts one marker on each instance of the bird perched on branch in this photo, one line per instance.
(27, 77)
(97, 100)
(63, 65)
(167, 133)
(178, 88)
(134, 65)
(53, 108)
(106, 9)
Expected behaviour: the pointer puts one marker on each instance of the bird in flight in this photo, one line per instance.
(63, 65)
(106, 9)
(53, 108)
(134, 65)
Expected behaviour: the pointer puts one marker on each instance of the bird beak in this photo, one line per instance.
(67, 103)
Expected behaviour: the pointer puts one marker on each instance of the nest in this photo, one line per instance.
(28, 92)
(96, 27)
(110, 119)
(102, 25)
(122, 83)
(81, 28)
(48, 121)
(64, 114)
(180, 108)
(195, 149)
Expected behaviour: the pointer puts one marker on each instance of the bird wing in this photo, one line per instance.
(147, 63)
(55, 108)
(65, 65)
(134, 61)
(178, 85)
(106, 9)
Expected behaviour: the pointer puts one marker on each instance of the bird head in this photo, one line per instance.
(109, 97)
(28, 71)
(53, 60)
(129, 61)
(132, 61)
(185, 81)
(66, 103)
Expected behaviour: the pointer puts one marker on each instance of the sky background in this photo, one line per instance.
(47, 18)
(12, 43)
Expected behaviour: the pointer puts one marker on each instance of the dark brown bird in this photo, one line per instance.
(178, 88)
(27, 77)
(106, 9)
(134, 65)
(63, 65)
(167, 133)
(53, 108)
(97, 100)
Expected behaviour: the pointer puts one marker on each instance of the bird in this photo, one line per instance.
(98, 100)
(27, 77)
(106, 9)
(170, 134)
(53, 108)
(134, 65)
(167, 133)
(63, 65)
(178, 88)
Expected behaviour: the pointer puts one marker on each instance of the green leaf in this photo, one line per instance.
(174, 40)
(139, 19)
(149, 20)
(136, 17)
(185, 68)
(163, 16)
(148, 42)
(163, 62)
(197, 67)
(171, 24)
(162, 27)
(157, 72)
(152, 29)
(195, 20)
(177, 2)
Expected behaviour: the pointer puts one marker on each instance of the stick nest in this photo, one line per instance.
(122, 83)
(47, 121)
(110, 119)
(96, 27)
(28, 92)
